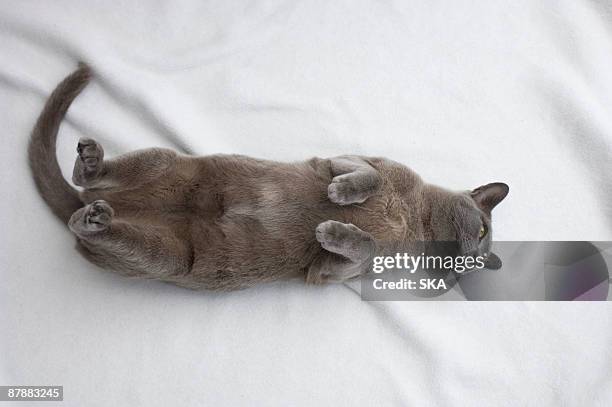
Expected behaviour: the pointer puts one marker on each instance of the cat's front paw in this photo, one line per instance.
(94, 217)
(344, 239)
(350, 189)
(88, 164)
(343, 191)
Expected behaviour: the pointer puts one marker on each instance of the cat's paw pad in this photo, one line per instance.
(90, 152)
(94, 217)
(88, 163)
(342, 191)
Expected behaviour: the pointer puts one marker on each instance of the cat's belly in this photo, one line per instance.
(265, 229)
(244, 247)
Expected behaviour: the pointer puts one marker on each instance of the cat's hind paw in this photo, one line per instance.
(88, 163)
(94, 217)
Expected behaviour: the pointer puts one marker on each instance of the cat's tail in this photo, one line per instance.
(61, 197)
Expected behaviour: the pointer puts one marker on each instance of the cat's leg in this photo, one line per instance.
(332, 268)
(127, 171)
(134, 250)
(350, 249)
(354, 180)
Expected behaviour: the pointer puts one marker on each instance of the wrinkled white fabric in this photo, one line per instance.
(463, 92)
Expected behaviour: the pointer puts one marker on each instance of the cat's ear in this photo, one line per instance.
(488, 196)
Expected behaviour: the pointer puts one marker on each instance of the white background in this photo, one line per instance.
(463, 92)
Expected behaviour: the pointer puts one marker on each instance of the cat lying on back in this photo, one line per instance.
(226, 222)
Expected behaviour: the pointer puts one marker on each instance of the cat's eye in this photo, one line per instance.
(483, 231)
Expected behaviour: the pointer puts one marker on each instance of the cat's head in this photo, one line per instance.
(472, 222)
(465, 218)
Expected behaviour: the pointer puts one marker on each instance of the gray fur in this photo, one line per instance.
(226, 222)
(59, 195)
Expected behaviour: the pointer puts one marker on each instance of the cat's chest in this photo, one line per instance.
(388, 217)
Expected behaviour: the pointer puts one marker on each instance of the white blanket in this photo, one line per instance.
(463, 92)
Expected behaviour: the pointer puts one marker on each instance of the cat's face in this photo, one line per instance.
(460, 223)
(471, 220)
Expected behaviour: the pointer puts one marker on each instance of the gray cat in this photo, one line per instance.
(227, 222)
